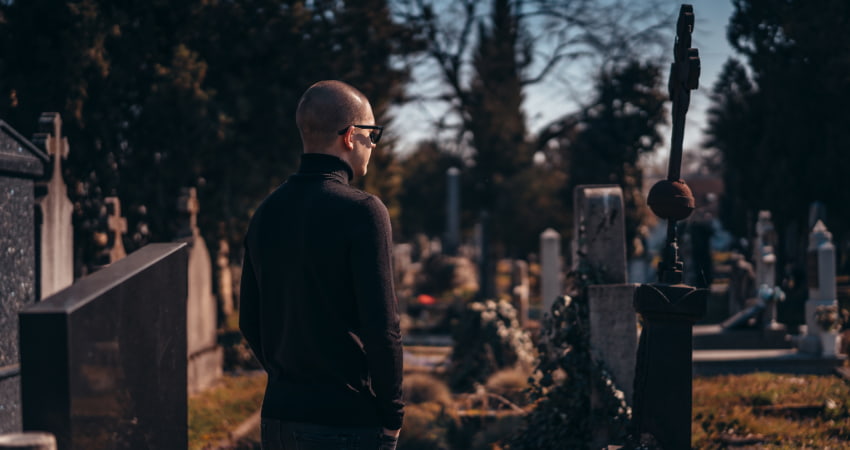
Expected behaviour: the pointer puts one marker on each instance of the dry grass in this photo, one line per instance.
(216, 412)
(771, 411)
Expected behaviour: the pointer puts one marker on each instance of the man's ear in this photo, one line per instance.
(347, 139)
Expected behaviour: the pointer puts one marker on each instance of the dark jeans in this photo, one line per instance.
(277, 435)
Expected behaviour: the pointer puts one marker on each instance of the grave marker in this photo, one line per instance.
(551, 283)
(103, 362)
(117, 228)
(56, 259)
(205, 355)
(20, 164)
(822, 285)
(599, 239)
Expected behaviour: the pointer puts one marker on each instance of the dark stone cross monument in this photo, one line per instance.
(669, 308)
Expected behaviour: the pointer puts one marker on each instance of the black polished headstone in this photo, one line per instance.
(103, 362)
(20, 164)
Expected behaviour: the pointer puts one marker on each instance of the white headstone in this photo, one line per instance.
(57, 233)
(205, 356)
(822, 284)
(551, 284)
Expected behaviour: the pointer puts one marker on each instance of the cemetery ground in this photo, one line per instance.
(757, 410)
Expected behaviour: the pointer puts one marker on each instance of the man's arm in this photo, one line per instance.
(378, 309)
(249, 307)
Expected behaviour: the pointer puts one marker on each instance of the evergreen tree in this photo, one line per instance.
(158, 95)
(604, 142)
(783, 135)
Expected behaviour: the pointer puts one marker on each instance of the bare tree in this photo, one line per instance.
(551, 36)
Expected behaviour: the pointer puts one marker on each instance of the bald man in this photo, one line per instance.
(317, 304)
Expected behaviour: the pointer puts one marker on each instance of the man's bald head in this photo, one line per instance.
(327, 107)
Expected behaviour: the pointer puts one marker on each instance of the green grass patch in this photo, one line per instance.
(777, 411)
(214, 413)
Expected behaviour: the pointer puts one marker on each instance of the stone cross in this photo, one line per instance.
(550, 268)
(57, 234)
(117, 227)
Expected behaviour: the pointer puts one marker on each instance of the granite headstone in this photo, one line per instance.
(21, 163)
(103, 362)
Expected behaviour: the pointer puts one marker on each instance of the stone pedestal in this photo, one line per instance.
(613, 332)
(663, 378)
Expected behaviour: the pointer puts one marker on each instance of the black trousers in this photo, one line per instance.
(277, 435)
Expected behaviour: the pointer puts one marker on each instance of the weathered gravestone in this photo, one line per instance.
(599, 257)
(20, 164)
(599, 239)
(600, 250)
(822, 286)
(551, 282)
(56, 237)
(103, 362)
(206, 357)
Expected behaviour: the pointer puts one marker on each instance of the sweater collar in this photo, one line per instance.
(323, 164)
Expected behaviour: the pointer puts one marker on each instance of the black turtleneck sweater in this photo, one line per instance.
(317, 304)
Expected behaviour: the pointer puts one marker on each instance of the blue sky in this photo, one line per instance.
(546, 102)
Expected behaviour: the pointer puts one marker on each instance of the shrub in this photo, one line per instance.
(512, 384)
(423, 388)
(562, 416)
(427, 426)
(487, 338)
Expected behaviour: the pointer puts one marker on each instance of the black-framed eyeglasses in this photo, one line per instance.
(374, 136)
